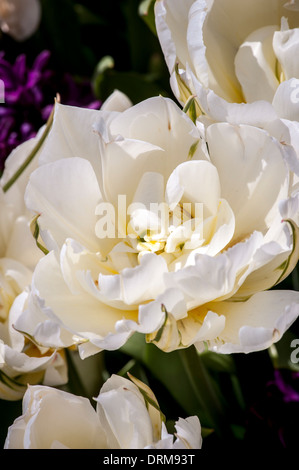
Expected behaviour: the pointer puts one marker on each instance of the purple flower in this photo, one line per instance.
(29, 98)
(271, 419)
(287, 390)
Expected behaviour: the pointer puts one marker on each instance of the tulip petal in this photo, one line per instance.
(64, 139)
(255, 65)
(66, 212)
(286, 99)
(257, 323)
(128, 426)
(260, 180)
(194, 182)
(286, 47)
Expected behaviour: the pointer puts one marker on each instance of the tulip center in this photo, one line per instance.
(164, 231)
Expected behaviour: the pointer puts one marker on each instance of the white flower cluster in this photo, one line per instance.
(72, 422)
(174, 222)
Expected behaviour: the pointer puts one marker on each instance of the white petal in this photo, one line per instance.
(65, 137)
(286, 99)
(171, 19)
(286, 47)
(255, 65)
(15, 435)
(144, 282)
(22, 245)
(253, 175)
(214, 277)
(22, 363)
(259, 322)
(66, 211)
(226, 26)
(123, 415)
(71, 420)
(287, 132)
(188, 432)
(194, 182)
(117, 101)
(154, 136)
(17, 157)
(257, 114)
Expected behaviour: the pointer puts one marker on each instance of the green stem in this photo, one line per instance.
(208, 399)
(32, 154)
(75, 384)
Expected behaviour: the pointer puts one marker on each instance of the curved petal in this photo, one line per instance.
(128, 425)
(256, 114)
(21, 245)
(214, 277)
(257, 323)
(73, 423)
(286, 99)
(261, 177)
(117, 101)
(65, 137)
(17, 157)
(171, 19)
(227, 25)
(286, 47)
(255, 65)
(147, 136)
(66, 212)
(194, 182)
(188, 432)
(57, 318)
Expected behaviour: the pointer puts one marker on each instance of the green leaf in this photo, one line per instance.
(169, 369)
(218, 362)
(190, 108)
(32, 154)
(85, 377)
(60, 29)
(147, 13)
(34, 227)
(86, 16)
(166, 367)
(136, 86)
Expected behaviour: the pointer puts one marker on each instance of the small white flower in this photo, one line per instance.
(19, 18)
(127, 416)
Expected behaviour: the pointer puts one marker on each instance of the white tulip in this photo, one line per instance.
(117, 265)
(21, 362)
(125, 418)
(237, 57)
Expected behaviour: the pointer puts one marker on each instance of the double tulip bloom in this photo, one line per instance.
(201, 280)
